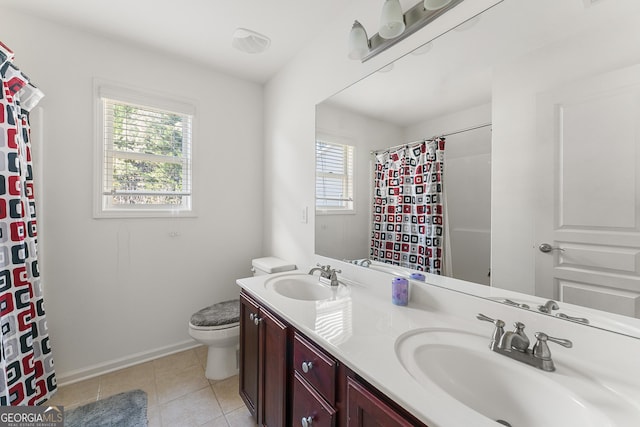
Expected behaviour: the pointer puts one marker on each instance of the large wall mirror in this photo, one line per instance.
(540, 104)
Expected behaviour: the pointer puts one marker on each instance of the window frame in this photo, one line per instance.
(329, 138)
(145, 99)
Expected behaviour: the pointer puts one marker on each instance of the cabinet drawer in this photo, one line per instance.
(320, 368)
(309, 408)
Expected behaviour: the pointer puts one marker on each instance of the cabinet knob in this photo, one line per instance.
(306, 367)
(307, 421)
(254, 318)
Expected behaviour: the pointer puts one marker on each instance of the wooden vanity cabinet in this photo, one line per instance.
(263, 363)
(286, 379)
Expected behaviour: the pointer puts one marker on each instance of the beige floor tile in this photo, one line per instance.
(140, 377)
(227, 393)
(193, 409)
(218, 422)
(148, 386)
(201, 354)
(176, 362)
(129, 376)
(178, 393)
(153, 415)
(76, 394)
(175, 384)
(240, 418)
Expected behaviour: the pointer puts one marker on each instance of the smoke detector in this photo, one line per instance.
(249, 41)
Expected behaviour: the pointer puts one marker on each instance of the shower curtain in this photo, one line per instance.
(26, 366)
(408, 207)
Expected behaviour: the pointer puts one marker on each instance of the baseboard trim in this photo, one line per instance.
(66, 378)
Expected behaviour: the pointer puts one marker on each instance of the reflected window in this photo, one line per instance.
(334, 177)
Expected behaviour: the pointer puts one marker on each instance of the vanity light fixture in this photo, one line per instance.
(395, 26)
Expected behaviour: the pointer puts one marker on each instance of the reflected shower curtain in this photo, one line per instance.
(26, 366)
(408, 207)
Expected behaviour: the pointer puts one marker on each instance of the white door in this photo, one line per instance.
(589, 193)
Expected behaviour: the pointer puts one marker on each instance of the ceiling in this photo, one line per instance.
(198, 30)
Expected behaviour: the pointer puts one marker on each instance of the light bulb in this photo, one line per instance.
(435, 4)
(358, 42)
(391, 20)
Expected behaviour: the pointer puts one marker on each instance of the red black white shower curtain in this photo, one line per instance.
(26, 365)
(408, 207)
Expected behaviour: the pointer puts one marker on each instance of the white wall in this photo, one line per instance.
(516, 86)
(117, 291)
(316, 73)
(467, 188)
(346, 236)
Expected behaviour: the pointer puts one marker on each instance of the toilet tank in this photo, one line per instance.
(270, 265)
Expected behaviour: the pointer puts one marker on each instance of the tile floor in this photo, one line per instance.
(179, 395)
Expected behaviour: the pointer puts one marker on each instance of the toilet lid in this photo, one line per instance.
(220, 314)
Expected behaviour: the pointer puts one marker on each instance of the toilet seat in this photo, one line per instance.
(214, 328)
(220, 316)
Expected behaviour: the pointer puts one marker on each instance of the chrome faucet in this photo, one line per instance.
(516, 340)
(548, 306)
(365, 262)
(515, 344)
(327, 273)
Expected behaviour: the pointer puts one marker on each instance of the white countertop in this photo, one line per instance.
(361, 330)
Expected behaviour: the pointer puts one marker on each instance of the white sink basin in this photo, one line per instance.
(305, 287)
(461, 365)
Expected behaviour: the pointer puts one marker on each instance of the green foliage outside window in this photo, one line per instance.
(148, 156)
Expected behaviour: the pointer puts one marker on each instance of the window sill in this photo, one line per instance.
(335, 212)
(140, 214)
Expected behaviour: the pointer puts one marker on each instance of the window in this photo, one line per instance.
(145, 156)
(334, 177)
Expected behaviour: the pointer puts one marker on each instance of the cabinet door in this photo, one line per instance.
(249, 354)
(274, 364)
(364, 409)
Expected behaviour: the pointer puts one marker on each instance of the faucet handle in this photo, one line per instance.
(498, 332)
(563, 342)
(496, 322)
(541, 348)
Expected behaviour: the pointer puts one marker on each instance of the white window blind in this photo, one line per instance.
(146, 158)
(334, 177)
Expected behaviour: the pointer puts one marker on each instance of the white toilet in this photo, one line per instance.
(218, 326)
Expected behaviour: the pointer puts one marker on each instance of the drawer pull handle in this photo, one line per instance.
(306, 367)
(307, 421)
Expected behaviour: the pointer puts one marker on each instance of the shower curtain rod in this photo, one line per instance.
(427, 139)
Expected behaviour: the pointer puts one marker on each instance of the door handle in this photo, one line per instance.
(546, 248)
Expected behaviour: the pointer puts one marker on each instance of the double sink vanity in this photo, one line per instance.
(313, 354)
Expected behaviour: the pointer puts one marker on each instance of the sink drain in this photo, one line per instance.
(504, 423)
